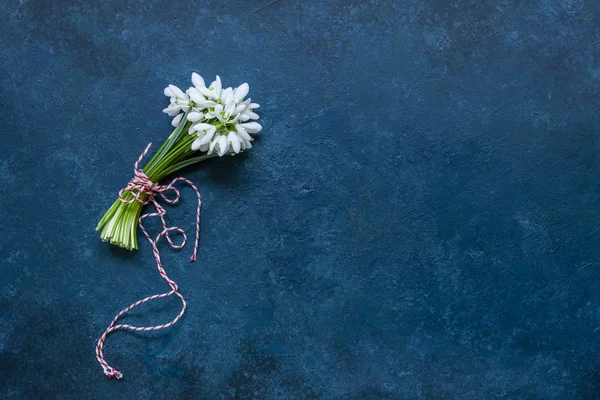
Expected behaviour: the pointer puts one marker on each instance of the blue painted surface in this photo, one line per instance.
(418, 220)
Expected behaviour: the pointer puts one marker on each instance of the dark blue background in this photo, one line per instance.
(418, 220)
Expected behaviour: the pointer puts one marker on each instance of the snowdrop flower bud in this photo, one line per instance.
(195, 116)
(234, 142)
(252, 127)
(197, 80)
(180, 101)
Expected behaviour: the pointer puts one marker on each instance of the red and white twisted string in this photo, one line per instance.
(140, 184)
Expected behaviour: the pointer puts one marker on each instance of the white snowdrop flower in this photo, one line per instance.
(235, 142)
(247, 113)
(195, 116)
(197, 80)
(205, 133)
(251, 127)
(180, 102)
(241, 92)
(212, 92)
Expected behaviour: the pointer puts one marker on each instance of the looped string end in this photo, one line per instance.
(138, 185)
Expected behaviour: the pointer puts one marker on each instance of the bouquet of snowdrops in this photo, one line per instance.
(209, 122)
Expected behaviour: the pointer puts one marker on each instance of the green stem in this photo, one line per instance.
(119, 223)
(185, 163)
(168, 159)
(166, 146)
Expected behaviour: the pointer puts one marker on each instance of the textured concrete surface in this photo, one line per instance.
(419, 219)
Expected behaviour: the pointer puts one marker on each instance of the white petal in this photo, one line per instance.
(195, 95)
(177, 92)
(176, 120)
(252, 127)
(168, 92)
(253, 106)
(211, 93)
(234, 141)
(241, 92)
(204, 147)
(218, 85)
(207, 137)
(202, 126)
(212, 145)
(229, 108)
(239, 109)
(197, 80)
(247, 144)
(242, 132)
(206, 104)
(222, 145)
(196, 144)
(194, 117)
(252, 115)
(172, 110)
(244, 117)
(227, 95)
(218, 111)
